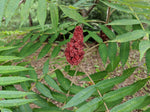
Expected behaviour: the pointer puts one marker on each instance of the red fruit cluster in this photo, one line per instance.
(74, 51)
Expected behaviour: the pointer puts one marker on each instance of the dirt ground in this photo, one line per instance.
(91, 63)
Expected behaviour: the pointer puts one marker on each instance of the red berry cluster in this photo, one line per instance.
(74, 51)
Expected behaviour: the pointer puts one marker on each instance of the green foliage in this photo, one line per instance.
(10, 10)
(2, 6)
(73, 14)
(15, 102)
(126, 37)
(54, 16)
(54, 29)
(41, 12)
(13, 94)
(25, 9)
(103, 52)
(124, 52)
(143, 47)
(108, 32)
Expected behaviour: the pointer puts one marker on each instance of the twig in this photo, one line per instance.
(147, 35)
(92, 48)
(92, 7)
(86, 45)
(22, 1)
(90, 52)
(137, 18)
(95, 46)
(112, 11)
(94, 84)
(108, 15)
(96, 21)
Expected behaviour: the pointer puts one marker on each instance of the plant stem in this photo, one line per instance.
(137, 18)
(92, 7)
(70, 87)
(107, 110)
(108, 15)
(147, 35)
(92, 48)
(96, 21)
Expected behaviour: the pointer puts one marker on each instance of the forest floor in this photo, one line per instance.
(93, 63)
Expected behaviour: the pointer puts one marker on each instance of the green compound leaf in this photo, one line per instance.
(15, 102)
(135, 103)
(10, 10)
(124, 22)
(90, 106)
(64, 82)
(52, 83)
(124, 52)
(112, 51)
(103, 52)
(44, 51)
(6, 48)
(25, 108)
(108, 32)
(107, 84)
(44, 90)
(12, 69)
(118, 7)
(72, 13)
(55, 52)
(41, 12)
(13, 80)
(46, 67)
(124, 91)
(148, 60)
(96, 76)
(126, 37)
(9, 58)
(81, 96)
(143, 47)
(54, 15)
(5, 110)
(2, 6)
(13, 94)
(95, 37)
(25, 10)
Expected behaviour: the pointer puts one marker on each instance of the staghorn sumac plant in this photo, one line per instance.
(62, 83)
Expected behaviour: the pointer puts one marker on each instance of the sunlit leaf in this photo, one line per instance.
(135, 103)
(9, 58)
(12, 69)
(2, 6)
(126, 37)
(13, 80)
(10, 10)
(15, 102)
(54, 15)
(52, 83)
(41, 12)
(13, 94)
(44, 90)
(81, 96)
(124, 52)
(143, 47)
